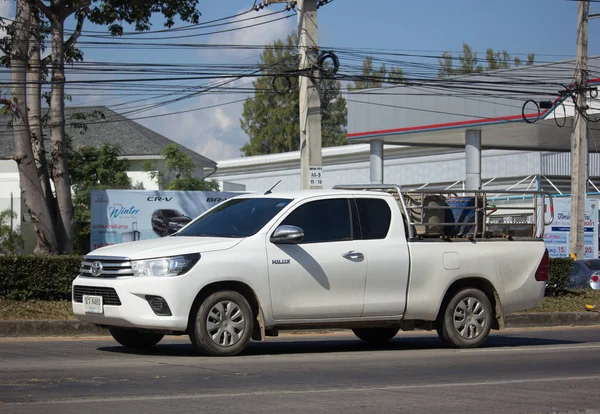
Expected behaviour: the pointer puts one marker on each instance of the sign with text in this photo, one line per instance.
(316, 176)
(120, 216)
(556, 235)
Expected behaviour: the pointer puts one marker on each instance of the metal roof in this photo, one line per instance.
(421, 113)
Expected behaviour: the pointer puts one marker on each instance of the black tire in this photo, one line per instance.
(375, 336)
(133, 339)
(471, 325)
(225, 323)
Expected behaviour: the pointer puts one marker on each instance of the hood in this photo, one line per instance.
(166, 246)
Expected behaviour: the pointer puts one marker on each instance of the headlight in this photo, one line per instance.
(175, 225)
(165, 266)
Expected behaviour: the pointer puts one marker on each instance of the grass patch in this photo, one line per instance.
(572, 301)
(35, 309)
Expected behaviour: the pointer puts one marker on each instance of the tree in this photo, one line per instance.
(93, 168)
(104, 12)
(11, 241)
(180, 168)
(517, 61)
(446, 65)
(31, 189)
(395, 75)
(492, 61)
(107, 12)
(370, 78)
(271, 118)
(469, 62)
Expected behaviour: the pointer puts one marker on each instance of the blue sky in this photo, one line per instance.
(544, 27)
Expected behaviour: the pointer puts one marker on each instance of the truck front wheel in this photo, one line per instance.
(375, 335)
(466, 320)
(222, 324)
(133, 339)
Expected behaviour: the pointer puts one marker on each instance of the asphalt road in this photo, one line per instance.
(519, 371)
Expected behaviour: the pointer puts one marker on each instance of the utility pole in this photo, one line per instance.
(311, 162)
(579, 143)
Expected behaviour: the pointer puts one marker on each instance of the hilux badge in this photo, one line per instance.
(281, 261)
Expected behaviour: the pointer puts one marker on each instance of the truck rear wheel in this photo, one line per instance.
(467, 319)
(375, 335)
(222, 324)
(134, 339)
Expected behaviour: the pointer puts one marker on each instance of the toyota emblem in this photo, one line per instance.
(96, 269)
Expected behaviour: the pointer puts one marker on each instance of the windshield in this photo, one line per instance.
(241, 217)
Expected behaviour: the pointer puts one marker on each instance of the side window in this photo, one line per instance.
(375, 217)
(322, 220)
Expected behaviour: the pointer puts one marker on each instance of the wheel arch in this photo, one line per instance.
(258, 333)
(481, 284)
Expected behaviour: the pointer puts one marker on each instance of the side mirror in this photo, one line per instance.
(287, 235)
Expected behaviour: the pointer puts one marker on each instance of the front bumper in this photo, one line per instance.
(134, 310)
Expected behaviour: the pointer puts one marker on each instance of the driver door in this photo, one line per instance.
(323, 276)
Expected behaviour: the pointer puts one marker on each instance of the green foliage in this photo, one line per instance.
(271, 118)
(11, 240)
(469, 62)
(93, 168)
(560, 274)
(138, 12)
(370, 78)
(193, 184)
(180, 168)
(446, 65)
(38, 277)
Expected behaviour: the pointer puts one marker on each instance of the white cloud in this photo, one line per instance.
(263, 32)
(224, 122)
(214, 132)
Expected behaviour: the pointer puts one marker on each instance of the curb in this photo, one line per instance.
(27, 328)
(548, 319)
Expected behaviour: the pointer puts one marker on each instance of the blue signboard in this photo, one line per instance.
(119, 216)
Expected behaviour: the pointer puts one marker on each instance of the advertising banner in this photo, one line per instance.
(120, 216)
(556, 235)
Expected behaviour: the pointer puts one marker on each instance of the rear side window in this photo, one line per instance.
(322, 220)
(375, 217)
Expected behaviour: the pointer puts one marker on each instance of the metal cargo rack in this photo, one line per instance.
(433, 214)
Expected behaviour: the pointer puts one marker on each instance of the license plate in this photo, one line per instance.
(92, 304)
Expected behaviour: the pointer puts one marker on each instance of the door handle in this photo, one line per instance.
(353, 255)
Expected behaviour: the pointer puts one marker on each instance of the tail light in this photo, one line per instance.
(543, 270)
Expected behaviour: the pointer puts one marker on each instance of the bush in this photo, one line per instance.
(38, 277)
(560, 274)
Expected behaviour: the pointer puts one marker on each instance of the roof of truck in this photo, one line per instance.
(302, 194)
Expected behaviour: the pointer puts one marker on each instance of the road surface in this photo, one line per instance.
(518, 371)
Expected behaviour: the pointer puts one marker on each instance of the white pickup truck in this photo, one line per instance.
(257, 264)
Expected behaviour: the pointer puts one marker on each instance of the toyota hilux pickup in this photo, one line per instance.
(368, 258)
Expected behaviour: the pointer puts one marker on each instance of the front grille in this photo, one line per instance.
(109, 295)
(110, 268)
